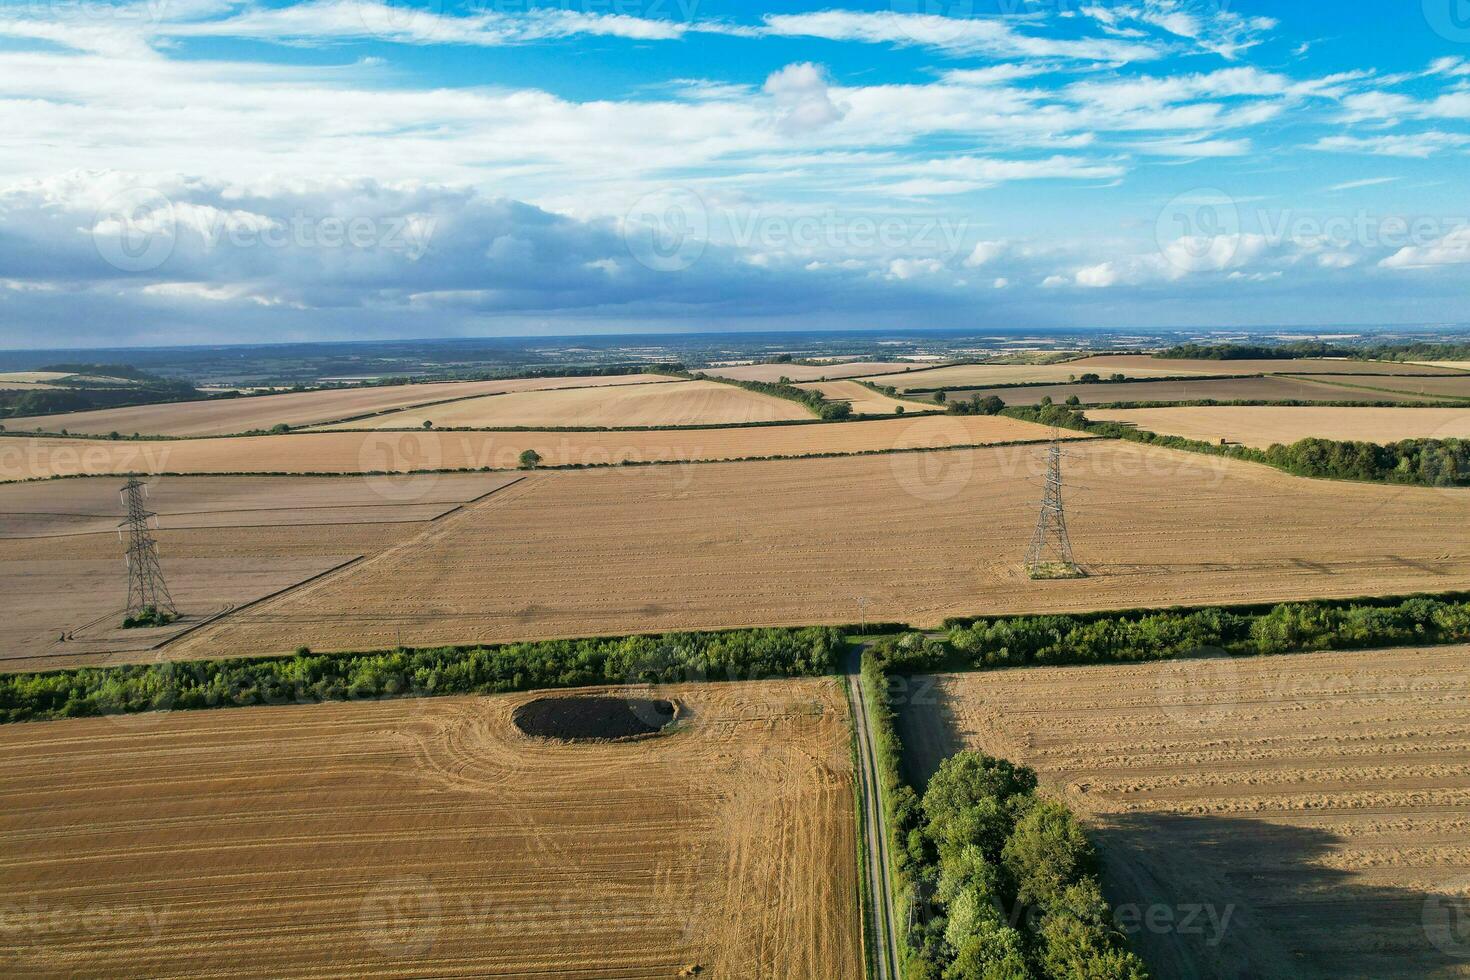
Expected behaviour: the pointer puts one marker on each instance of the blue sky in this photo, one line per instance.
(206, 171)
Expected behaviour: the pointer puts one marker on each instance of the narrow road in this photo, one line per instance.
(880, 887)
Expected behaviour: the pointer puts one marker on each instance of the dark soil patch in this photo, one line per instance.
(594, 719)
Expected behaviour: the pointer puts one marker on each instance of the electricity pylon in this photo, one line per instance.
(146, 588)
(1050, 553)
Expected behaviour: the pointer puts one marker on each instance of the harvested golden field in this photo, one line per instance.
(806, 372)
(1273, 388)
(1261, 426)
(1451, 365)
(864, 401)
(1134, 366)
(679, 403)
(32, 377)
(225, 542)
(24, 458)
(1456, 386)
(921, 535)
(1304, 815)
(430, 837)
(230, 415)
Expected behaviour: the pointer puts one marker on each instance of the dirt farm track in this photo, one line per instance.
(1309, 813)
(428, 837)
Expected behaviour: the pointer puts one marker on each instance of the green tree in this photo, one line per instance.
(530, 459)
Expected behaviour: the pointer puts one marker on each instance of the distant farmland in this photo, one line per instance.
(1309, 811)
(431, 837)
(354, 452)
(1261, 426)
(804, 372)
(680, 403)
(260, 412)
(1274, 388)
(1138, 366)
(864, 400)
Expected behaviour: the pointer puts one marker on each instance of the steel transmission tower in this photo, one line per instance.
(146, 588)
(1050, 553)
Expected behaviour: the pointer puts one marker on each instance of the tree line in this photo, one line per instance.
(307, 678)
(1127, 637)
(1413, 462)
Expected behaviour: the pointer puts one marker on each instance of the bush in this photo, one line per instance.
(148, 616)
(530, 459)
(1017, 880)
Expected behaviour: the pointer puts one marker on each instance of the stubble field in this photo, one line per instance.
(1266, 389)
(677, 403)
(1139, 366)
(921, 536)
(24, 458)
(805, 372)
(230, 415)
(1260, 426)
(223, 541)
(431, 837)
(864, 401)
(1304, 815)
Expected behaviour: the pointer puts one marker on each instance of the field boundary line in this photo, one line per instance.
(255, 602)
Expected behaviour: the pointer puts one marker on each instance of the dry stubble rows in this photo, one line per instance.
(921, 536)
(1315, 808)
(429, 837)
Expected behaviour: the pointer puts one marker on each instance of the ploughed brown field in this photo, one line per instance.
(224, 542)
(1262, 426)
(864, 401)
(803, 372)
(1304, 815)
(678, 403)
(921, 536)
(225, 416)
(1264, 389)
(358, 452)
(429, 837)
(1139, 366)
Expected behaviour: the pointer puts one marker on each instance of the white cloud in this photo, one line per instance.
(992, 36)
(1452, 249)
(985, 252)
(1211, 26)
(802, 95)
(1365, 182)
(1416, 145)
